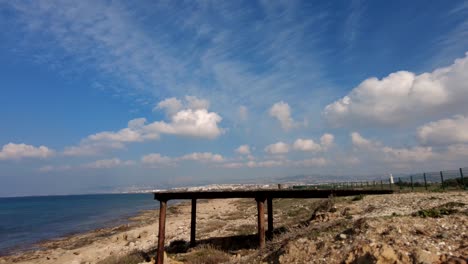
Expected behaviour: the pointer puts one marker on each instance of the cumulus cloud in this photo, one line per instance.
(277, 148)
(326, 141)
(360, 142)
(170, 105)
(282, 112)
(194, 121)
(306, 145)
(376, 150)
(314, 162)
(445, 131)
(403, 97)
(243, 150)
(108, 163)
(156, 159)
(194, 102)
(49, 168)
(203, 157)
(12, 151)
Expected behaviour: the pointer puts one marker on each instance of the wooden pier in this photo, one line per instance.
(260, 197)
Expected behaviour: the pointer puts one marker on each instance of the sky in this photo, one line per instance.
(102, 95)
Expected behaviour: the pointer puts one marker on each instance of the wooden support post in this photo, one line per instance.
(261, 221)
(193, 223)
(162, 230)
(442, 180)
(270, 217)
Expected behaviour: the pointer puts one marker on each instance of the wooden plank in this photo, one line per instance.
(261, 221)
(193, 223)
(162, 230)
(284, 193)
(270, 217)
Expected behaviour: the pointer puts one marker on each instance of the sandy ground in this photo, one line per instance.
(141, 234)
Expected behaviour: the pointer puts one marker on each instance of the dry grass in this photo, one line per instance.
(132, 258)
(211, 226)
(205, 255)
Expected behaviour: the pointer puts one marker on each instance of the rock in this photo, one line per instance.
(124, 237)
(342, 236)
(424, 257)
(389, 254)
(420, 231)
(456, 260)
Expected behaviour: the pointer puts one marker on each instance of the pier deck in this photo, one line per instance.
(260, 197)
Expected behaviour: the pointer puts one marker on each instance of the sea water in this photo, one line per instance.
(28, 220)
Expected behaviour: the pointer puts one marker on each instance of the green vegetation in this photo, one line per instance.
(358, 197)
(436, 212)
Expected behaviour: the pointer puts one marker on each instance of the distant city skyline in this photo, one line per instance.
(105, 94)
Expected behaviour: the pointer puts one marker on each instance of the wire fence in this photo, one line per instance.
(426, 181)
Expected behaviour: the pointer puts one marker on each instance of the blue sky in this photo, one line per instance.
(98, 95)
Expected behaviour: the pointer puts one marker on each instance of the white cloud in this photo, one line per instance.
(327, 140)
(306, 145)
(403, 97)
(170, 105)
(203, 157)
(361, 142)
(195, 103)
(282, 112)
(12, 151)
(49, 168)
(157, 160)
(414, 154)
(108, 163)
(277, 148)
(187, 122)
(243, 150)
(445, 131)
(314, 162)
(193, 123)
(376, 150)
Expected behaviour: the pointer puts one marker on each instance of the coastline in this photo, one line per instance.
(140, 233)
(346, 229)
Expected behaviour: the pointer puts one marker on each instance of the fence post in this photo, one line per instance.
(400, 183)
(412, 186)
(381, 184)
(462, 179)
(442, 180)
(390, 184)
(425, 181)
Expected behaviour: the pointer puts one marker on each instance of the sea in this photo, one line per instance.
(25, 221)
